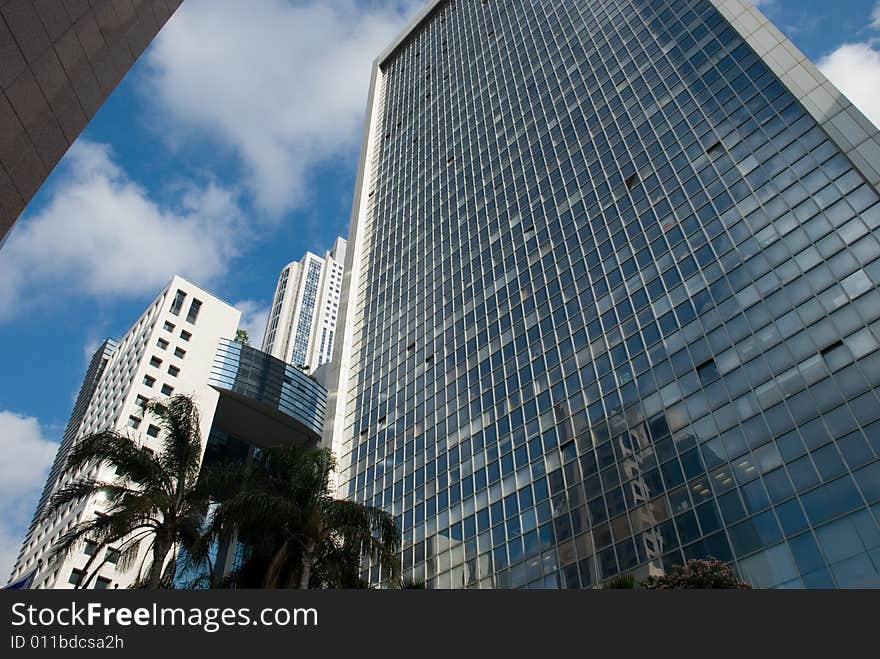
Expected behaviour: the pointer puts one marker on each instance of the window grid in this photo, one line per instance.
(620, 265)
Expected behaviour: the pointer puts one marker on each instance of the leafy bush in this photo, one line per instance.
(620, 582)
(702, 573)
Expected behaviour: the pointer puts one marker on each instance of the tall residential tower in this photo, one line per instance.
(169, 350)
(611, 300)
(182, 344)
(302, 319)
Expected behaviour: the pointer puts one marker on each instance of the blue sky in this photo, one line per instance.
(227, 151)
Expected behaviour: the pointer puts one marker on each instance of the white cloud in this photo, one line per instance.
(27, 456)
(253, 320)
(89, 349)
(283, 84)
(855, 69)
(103, 235)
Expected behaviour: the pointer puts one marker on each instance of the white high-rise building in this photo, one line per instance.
(169, 350)
(302, 320)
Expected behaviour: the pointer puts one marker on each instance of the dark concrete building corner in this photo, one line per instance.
(60, 60)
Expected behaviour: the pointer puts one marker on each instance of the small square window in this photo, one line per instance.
(707, 371)
(167, 390)
(179, 353)
(113, 556)
(153, 431)
(149, 381)
(162, 344)
(155, 362)
(828, 350)
(141, 401)
(90, 547)
(75, 577)
(186, 336)
(103, 583)
(173, 371)
(133, 422)
(168, 327)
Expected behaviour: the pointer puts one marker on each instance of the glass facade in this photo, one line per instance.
(307, 312)
(248, 372)
(618, 307)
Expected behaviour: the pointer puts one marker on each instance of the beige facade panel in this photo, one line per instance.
(60, 60)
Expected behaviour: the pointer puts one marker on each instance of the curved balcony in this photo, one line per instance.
(263, 400)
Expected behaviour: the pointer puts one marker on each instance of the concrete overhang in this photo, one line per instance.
(259, 424)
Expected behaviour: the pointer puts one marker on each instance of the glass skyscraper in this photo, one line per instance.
(611, 300)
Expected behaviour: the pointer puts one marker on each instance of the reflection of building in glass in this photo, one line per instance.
(647, 512)
(611, 300)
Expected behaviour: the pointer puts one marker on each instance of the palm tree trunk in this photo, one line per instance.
(273, 573)
(160, 551)
(86, 578)
(307, 560)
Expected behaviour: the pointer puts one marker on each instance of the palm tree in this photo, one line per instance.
(296, 534)
(153, 497)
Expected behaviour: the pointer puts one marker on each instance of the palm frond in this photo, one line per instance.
(111, 448)
(369, 531)
(196, 557)
(76, 492)
(281, 510)
(129, 551)
(181, 454)
(90, 573)
(98, 527)
(151, 494)
(221, 480)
